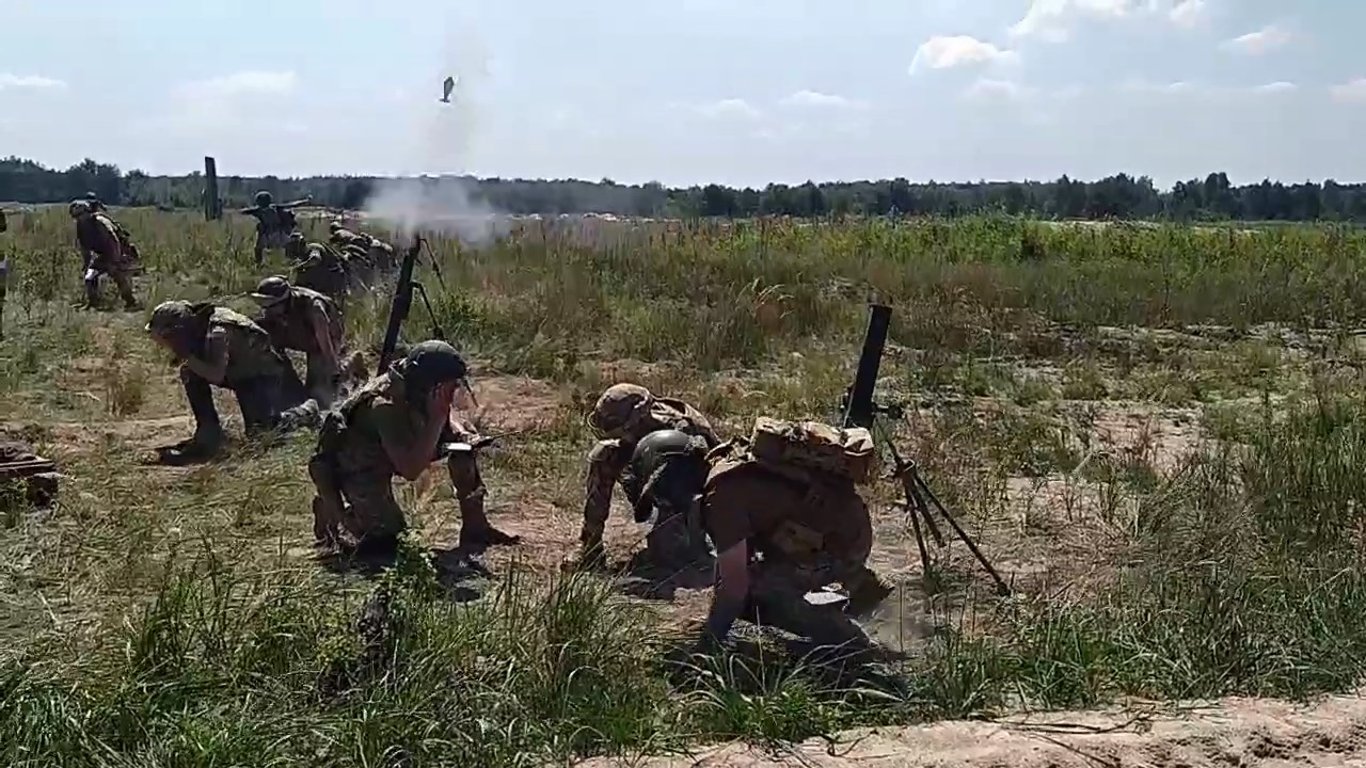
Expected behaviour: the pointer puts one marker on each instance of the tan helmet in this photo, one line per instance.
(619, 408)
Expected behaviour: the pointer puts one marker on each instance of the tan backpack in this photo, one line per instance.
(812, 445)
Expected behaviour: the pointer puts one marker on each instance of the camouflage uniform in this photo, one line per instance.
(812, 528)
(353, 475)
(377, 253)
(319, 268)
(292, 315)
(268, 391)
(102, 252)
(274, 223)
(623, 415)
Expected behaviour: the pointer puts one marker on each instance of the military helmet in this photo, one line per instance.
(433, 362)
(654, 449)
(78, 208)
(334, 226)
(618, 408)
(667, 467)
(271, 291)
(264, 198)
(91, 196)
(169, 316)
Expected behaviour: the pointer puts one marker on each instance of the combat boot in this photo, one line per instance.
(591, 556)
(475, 528)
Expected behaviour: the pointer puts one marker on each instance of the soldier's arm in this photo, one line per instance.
(213, 366)
(298, 203)
(321, 332)
(606, 462)
(731, 592)
(409, 450)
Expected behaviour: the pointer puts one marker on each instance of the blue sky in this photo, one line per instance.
(738, 91)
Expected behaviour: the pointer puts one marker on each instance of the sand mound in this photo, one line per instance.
(1233, 732)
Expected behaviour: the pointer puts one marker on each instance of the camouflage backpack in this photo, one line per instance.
(813, 446)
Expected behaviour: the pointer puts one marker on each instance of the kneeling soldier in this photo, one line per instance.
(623, 415)
(396, 424)
(302, 319)
(809, 528)
(216, 346)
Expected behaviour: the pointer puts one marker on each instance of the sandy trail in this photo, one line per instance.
(1231, 732)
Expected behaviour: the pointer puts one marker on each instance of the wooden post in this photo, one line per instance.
(212, 208)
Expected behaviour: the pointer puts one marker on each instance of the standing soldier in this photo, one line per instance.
(316, 266)
(397, 424)
(305, 320)
(809, 525)
(274, 223)
(130, 250)
(623, 415)
(216, 346)
(101, 253)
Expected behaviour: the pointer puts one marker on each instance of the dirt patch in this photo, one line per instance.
(1241, 732)
(515, 403)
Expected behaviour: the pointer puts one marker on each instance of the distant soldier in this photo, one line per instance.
(129, 248)
(274, 223)
(810, 529)
(623, 415)
(397, 424)
(302, 319)
(318, 267)
(216, 346)
(379, 253)
(101, 253)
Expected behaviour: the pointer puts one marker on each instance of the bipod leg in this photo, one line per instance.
(916, 510)
(913, 490)
(436, 327)
(1001, 587)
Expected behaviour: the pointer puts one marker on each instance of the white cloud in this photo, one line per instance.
(1188, 14)
(942, 52)
(1280, 86)
(1264, 40)
(34, 82)
(816, 99)
(1051, 20)
(1350, 91)
(242, 83)
(728, 109)
(1141, 85)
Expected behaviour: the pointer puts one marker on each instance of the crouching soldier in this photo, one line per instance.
(216, 346)
(378, 253)
(786, 520)
(102, 252)
(302, 319)
(623, 415)
(397, 424)
(319, 268)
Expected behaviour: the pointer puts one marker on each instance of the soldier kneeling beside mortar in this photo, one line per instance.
(786, 521)
(397, 424)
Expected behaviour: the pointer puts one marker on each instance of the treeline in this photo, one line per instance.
(1119, 196)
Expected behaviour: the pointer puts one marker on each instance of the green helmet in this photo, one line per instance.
(432, 362)
(78, 208)
(667, 466)
(263, 199)
(271, 291)
(169, 317)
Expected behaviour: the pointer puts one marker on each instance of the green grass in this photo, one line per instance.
(160, 618)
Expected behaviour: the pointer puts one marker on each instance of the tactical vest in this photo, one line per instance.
(336, 443)
(291, 329)
(250, 352)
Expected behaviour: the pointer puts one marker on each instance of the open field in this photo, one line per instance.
(1156, 433)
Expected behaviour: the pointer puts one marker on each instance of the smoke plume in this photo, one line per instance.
(430, 193)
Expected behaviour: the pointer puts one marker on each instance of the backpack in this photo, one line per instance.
(814, 446)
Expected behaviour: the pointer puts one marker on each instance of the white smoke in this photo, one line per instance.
(430, 193)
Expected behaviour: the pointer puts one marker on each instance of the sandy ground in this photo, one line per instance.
(1232, 732)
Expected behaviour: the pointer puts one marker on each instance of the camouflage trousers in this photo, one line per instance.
(777, 597)
(119, 270)
(270, 241)
(363, 506)
(322, 378)
(263, 401)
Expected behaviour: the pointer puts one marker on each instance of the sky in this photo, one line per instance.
(741, 92)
